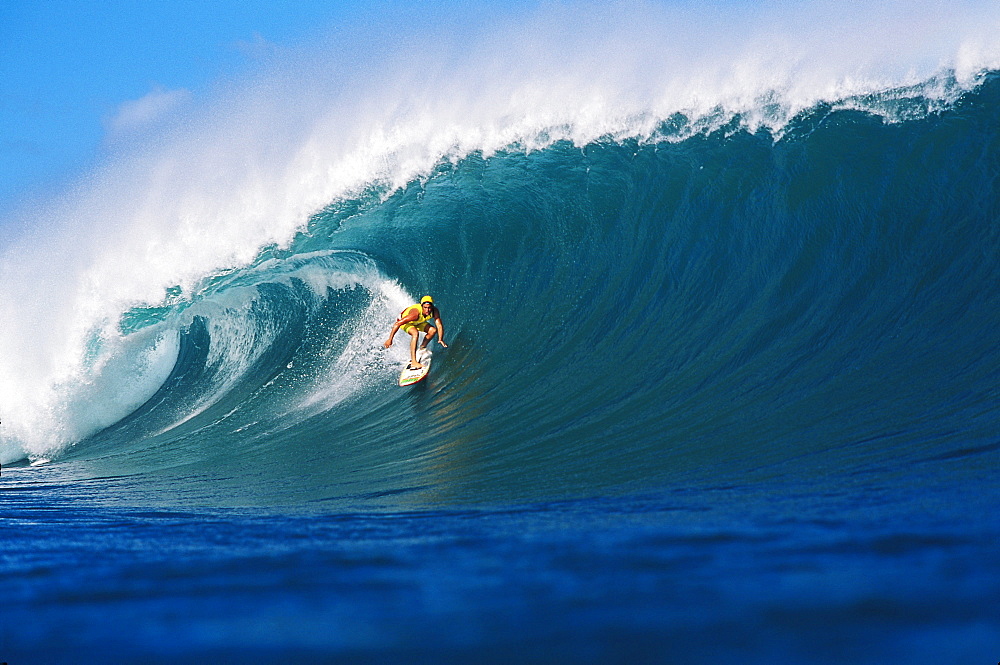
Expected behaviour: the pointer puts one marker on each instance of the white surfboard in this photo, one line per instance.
(410, 376)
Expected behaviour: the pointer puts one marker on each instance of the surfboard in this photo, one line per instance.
(410, 376)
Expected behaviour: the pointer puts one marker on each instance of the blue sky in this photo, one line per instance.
(69, 70)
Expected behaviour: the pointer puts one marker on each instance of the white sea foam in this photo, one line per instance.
(247, 167)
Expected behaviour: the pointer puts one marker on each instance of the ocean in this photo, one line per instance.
(721, 382)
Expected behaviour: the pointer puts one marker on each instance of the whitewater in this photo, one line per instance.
(719, 286)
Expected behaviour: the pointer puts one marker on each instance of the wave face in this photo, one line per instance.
(791, 285)
(623, 315)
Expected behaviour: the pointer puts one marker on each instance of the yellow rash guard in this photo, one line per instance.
(421, 322)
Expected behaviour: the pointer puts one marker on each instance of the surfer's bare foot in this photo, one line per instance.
(415, 365)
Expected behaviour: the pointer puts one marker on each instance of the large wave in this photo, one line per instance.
(663, 238)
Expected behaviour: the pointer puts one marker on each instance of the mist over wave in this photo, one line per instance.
(230, 280)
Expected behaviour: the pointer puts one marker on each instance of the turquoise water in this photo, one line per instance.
(708, 395)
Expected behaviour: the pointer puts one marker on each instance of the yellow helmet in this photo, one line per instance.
(427, 299)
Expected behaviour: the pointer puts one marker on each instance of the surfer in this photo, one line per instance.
(414, 320)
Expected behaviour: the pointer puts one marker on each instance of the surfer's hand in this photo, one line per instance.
(387, 343)
(442, 344)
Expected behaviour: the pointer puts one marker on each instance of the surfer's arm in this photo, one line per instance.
(440, 336)
(392, 333)
(395, 327)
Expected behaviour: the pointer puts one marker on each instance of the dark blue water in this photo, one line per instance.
(725, 397)
(779, 572)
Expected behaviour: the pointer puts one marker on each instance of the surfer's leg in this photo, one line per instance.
(414, 334)
(428, 337)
